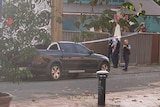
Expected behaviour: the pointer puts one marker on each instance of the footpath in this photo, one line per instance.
(139, 98)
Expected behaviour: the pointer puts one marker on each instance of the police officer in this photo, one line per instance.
(126, 53)
(110, 49)
(115, 52)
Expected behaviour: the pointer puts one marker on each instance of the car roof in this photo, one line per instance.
(52, 43)
(65, 42)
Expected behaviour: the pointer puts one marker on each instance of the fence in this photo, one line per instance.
(141, 48)
(145, 47)
(71, 35)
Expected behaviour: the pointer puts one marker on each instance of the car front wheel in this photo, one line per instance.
(55, 72)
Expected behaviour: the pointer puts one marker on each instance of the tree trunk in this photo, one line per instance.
(56, 23)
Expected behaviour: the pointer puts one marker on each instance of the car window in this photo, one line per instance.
(54, 47)
(81, 49)
(68, 47)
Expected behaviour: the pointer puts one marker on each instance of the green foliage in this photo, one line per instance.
(124, 24)
(13, 57)
(107, 1)
(15, 43)
(131, 7)
(128, 6)
(105, 20)
(142, 13)
(84, 37)
(132, 18)
(59, 20)
(93, 2)
(101, 21)
(77, 24)
(74, 1)
(157, 1)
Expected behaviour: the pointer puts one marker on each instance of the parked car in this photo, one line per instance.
(61, 58)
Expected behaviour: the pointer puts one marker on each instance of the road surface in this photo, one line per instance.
(53, 89)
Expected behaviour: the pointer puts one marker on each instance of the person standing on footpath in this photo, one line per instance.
(110, 49)
(126, 53)
(115, 52)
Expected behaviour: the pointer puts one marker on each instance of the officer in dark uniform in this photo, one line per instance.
(110, 49)
(126, 53)
(115, 53)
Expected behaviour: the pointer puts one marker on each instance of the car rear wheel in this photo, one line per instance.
(55, 72)
(104, 66)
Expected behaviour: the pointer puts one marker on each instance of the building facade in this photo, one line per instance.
(72, 12)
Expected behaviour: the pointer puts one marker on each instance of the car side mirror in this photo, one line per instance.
(91, 52)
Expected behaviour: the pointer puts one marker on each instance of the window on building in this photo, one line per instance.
(116, 2)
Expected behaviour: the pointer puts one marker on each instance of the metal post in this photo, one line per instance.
(102, 75)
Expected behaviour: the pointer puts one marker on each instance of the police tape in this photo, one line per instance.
(106, 39)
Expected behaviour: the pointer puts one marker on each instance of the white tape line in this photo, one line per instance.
(101, 40)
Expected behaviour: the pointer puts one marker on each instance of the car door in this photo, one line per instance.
(88, 61)
(71, 59)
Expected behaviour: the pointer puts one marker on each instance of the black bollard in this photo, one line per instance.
(102, 75)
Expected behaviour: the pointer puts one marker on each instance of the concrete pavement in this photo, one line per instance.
(136, 69)
(140, 98)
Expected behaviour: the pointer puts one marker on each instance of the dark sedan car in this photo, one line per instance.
(67, 58)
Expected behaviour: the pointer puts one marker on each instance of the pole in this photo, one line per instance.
(102, 75)
(56, 26)
(1, 31)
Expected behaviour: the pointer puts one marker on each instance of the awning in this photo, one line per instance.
(151, 8)
(86, 8)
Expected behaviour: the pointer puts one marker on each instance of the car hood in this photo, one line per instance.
(100, 56)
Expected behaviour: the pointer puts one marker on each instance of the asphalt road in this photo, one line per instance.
(53, 89)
